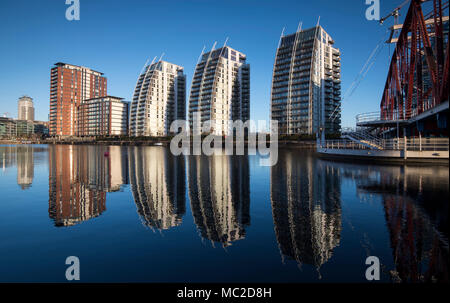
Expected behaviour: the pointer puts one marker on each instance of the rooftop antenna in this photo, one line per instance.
(145, 64)
(226, 40)
(153, 61)
(318, 21)
(201, 54)
(162, 55)
(299, 27)
(281, 36)
(214, 46)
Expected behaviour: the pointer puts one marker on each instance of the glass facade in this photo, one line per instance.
(306, 83)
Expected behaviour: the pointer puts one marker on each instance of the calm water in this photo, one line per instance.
(141, 214)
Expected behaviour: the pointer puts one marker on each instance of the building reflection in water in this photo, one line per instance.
(306, 208)
(158, 184)
(415, 202)
(7, 156)
(23, 157)
(220, 197)
(25, 166)
(79, 177)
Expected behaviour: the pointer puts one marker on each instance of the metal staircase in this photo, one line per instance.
(365, 138)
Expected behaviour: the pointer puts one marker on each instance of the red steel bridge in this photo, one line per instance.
(414, 108)
(416, 93)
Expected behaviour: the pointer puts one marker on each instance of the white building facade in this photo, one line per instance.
(220, 91)
(103, 116)
(159, 99)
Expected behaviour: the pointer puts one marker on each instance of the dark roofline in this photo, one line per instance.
(108, 96)
(62, 63)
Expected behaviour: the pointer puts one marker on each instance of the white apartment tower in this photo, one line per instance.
(306, 90)
(220, 90)
(159, 99)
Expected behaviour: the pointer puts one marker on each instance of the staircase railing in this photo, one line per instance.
(365, 138)
(412, 144)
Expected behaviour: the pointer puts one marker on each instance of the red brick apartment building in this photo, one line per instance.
(70, 85)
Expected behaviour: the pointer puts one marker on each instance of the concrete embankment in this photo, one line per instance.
(306, 144)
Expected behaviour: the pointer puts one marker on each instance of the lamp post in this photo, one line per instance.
(322, 135)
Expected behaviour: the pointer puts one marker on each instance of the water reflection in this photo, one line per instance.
(158, 186)
(220, 196)
(25, 166)
(415, 202)
(7, 156)
(21, 156)
(396, 212)
(306, 208)
(79, 177)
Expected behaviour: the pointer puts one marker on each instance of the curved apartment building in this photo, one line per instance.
(306, 90)
(220, 90)
(159, 99)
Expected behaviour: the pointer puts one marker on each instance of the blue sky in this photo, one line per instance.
(117, 37)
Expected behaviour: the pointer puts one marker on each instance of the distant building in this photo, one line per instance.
(25, 108)
(159, 99)
(24, 128)
(220, 89)
(7, 127)
(103, 116)
(306, 88)
(41, 128)
(70, 85)
(10, 128)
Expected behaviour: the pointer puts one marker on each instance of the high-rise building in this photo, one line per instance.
(70, 85)
(25, 108)
(103, 116)
(306, 90)
(220, 90)
(159, 99)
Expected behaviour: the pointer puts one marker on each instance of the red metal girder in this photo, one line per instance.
(412, 66)
(405, 76)
(430, 58)
(445, 86)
